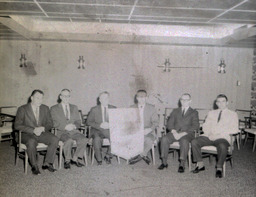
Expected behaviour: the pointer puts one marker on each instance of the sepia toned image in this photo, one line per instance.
(127, 98)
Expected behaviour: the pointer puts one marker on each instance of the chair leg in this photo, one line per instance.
(246, 137)
(153, 154)
(16, 156)
(254, 144)
(92, 156)
(237, 141)
(224, 169)
(118, 159)
(26, 162)
(60, 156)
(189, 159)
(85, 158)
(231, 162)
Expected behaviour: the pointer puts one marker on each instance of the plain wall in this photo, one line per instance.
(122, 69)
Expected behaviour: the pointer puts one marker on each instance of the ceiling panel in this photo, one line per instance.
(233, 21)
(86, 9)
(176, 12)
(240, 15)
(2, 13)
(250, 5)
(212, 4)
(15, 6)
(107, 2)
(162, 18)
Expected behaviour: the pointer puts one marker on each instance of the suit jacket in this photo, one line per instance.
(26, 121)
(59, 119)
(189, 123)
(151, 119)
(94, 118)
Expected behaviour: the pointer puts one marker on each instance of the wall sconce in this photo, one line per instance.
(166, 66)
(81, 62)
(23, 60)
(222, 66)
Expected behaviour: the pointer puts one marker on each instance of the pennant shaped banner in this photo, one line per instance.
(126, 132)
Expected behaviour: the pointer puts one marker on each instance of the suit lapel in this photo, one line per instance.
(31, 114)
(61, 111)
(100, 113)
(188, 112)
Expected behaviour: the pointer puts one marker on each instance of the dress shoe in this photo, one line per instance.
(146, 159)
(107, 160)
(198, 169)
(218, 174)
(67, 165)
(49, 167)
(135, 159)
(162, 166)
(77, 163)
(99, 163)
(181, 169)
(35, 170)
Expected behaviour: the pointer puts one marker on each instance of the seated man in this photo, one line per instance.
(99, 122)
(182, 124)
(35, 122)
(149, 115)
(66, 120)
(217, 128)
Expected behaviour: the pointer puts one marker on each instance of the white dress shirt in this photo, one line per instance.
(228, 124)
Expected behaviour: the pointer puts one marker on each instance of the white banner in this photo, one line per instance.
(126, 132)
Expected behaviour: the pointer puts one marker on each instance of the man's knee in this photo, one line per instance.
(184, 142)
(54, 140)
(223, 146)
(69, 142)
(194, 142)
(31, 143)
(97, 141)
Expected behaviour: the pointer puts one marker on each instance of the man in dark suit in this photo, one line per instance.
(99, 122)
(66, 120)
(150, 122)
(35, 122)
(182, 124)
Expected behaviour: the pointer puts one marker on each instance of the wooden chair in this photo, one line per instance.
(176, 147)
(6, 127)
(212, 150)
(252, 132)
(22, 148)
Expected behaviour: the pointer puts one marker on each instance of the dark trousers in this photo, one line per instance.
(31, 141)
(98, 137)
(81, 141)
(221, 145)
(184, 145)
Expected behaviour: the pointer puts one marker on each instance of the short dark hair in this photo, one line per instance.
(186, 94)
(105, 92)
(65, 89)
(142, 91)
(222, 96)
(35, 91)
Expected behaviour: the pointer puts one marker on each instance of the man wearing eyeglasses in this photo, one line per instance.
(66, 120)
(181, 125)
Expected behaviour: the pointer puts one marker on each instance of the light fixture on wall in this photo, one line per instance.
(81, 62)
(166, 66)
(23, 60)
(222, 66)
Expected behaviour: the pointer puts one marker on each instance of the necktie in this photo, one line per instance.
(105, 114)
(37, 115)
(66, 109)
(183, 112)
(219, 116)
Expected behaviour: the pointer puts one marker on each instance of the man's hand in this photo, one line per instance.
(147, 131)
(180, 135)
(104, 125)
(38, 131)
(175, 134)
(70, 127)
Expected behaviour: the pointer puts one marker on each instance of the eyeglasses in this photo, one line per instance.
(65, 96)
(185, 100)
